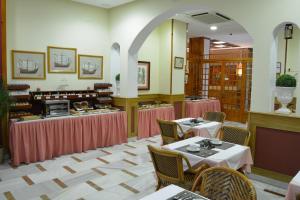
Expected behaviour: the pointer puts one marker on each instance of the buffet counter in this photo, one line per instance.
(197, 108)
(42, 139)
(147, 120)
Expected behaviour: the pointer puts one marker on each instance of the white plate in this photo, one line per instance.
(193, 149)
(216, 142)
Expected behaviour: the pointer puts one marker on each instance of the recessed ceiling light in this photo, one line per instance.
(219, 42)
(220, 46)
(213, 28)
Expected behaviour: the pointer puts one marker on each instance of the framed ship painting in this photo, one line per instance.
(62, 60)
(90, 67)
(28, 65)
(143, 75)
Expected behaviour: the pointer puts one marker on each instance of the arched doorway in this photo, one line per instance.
(115, 63)
(285, 58)
(141, 37)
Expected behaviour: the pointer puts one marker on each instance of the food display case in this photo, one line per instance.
(56, 108)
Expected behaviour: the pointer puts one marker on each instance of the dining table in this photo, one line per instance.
(172, 192)
(203, 128)
(293, 188)
(225, 155)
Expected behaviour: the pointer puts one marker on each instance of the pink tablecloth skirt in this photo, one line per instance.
(147, 120)
(45, 139)
(196, 109)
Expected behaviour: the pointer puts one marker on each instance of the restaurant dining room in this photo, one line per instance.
(149, 100)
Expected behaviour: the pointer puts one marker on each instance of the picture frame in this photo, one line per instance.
(62, 60)
(90, 67)
(278, 67)
(28, 64)
(143, 75)
(178, 62)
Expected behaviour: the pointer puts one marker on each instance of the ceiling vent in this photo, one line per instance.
(211, 18)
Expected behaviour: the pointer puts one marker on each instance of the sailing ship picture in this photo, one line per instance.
(28, 65)
(62, 60)
(90, 67)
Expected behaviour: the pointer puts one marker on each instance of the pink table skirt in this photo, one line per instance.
(147, 124)
(196, 109)
(40, 140)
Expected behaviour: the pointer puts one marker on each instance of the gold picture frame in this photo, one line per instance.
(90, 67)
(28, 65)
(178, 62)
(62, 60)
(143, 75)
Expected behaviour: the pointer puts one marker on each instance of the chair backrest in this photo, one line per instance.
(215, 116)
(224, 183)
(168, 131)
(235, 135)
(168, 164)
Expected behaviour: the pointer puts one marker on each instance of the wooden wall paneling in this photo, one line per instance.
(281, 123)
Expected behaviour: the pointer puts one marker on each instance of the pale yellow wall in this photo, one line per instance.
(165, 57)
(179, 50)
(157, 49)
(34, 24)
(150, 52)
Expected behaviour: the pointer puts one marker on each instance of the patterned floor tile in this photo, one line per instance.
(117, 172)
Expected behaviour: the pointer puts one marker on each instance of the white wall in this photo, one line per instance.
(259, 18)
(35, 24)
(293, 58)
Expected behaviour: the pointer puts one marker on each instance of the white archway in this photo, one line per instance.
(145, 32)
(115, 64)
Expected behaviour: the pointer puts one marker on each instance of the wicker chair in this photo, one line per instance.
(215, 116)
(235, 135)
(169, 132)
(169, 168)
(220, 183)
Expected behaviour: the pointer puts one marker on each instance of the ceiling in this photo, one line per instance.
(228, 30)
(104, 3)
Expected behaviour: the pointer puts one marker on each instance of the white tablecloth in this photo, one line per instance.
(294, 188)
(165, 193)
(208, 130)
(234, 157)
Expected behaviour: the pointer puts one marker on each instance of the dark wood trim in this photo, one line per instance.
(3, 42)
(4, 120)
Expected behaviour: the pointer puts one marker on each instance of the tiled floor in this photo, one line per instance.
(118, 172)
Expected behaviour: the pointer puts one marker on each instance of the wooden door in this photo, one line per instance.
(228, 81)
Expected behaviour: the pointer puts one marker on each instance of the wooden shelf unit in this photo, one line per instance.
(22, 106)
